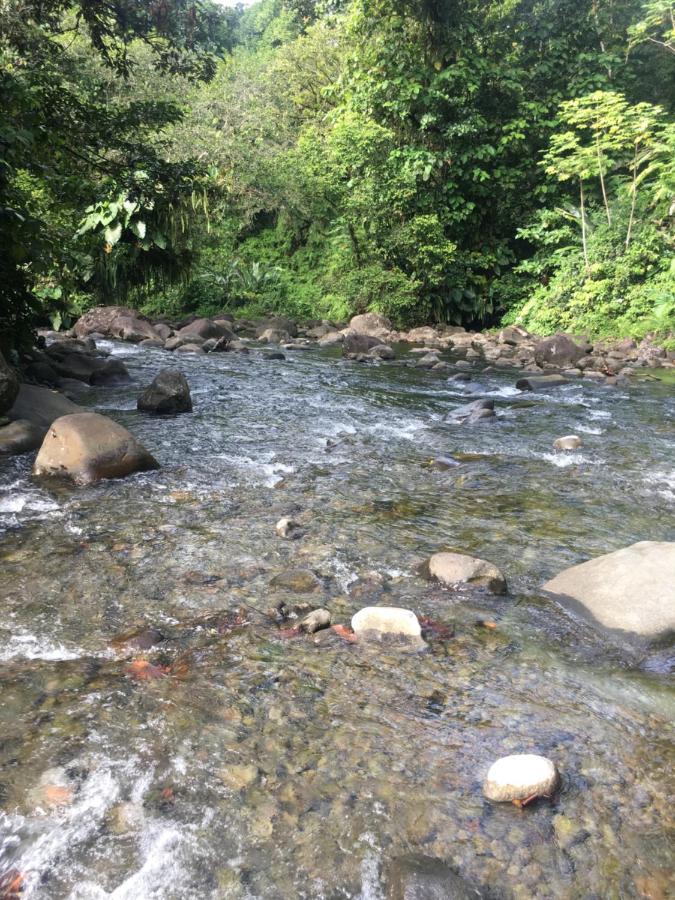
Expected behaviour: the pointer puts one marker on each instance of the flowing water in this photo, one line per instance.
(245, 762)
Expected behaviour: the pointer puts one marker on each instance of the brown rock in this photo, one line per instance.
(86, 447)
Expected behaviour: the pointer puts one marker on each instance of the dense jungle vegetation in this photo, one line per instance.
(463, 161)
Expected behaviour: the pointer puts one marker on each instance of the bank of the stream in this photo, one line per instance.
(255, 764)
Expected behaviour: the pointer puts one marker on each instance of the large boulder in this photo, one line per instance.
(89, 368)
(277, 323)
(370, 323)
(86, 447)
(560, 351)
(540, 382)
(9, 386)
(206, 328)
(119, 322)
(630, 592)
(180, 340)
(355, 342)
(19, 437)
(40, 406)
(168, 393)
(425, 878)
(460, 568)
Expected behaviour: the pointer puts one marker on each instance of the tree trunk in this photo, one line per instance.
(583, 221)
(602, 180)
(633, 198)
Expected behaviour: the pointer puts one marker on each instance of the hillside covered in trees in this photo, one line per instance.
(471, 162)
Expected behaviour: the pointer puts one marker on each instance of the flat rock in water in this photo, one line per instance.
(630, 591)
(568, 442)
(460, 568)
(86, 447)
(425, 878)
(519, 777)
(540, 382)
(41, 406)
(301, 581)
(389, 620)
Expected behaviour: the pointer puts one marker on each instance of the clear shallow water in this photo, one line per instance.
(255, 765)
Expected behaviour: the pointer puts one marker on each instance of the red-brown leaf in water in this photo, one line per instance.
(345, 632)
(290, 632)
(436, 629)
(11, 884)
(142, 670)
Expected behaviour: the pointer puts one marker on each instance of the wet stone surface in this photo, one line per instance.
(166, 729)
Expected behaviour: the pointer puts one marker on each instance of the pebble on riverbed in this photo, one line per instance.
(376, 621)
(521, 777)
(288, 528)
(568, 442)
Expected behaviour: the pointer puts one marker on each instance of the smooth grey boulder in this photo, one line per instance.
(424, 878)
(382, 351)
(630, 592)
(370, 323)
(205, 329)
(356, 342)
(169, 393)
(460, 568)
(41, 406)
(9, 385)
(540, 382)
(19, 436)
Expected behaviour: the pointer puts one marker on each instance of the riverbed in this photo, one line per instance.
(248, 762)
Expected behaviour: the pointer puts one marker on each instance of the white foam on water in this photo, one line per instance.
(599, 414)
(24, 645)
(506, 390)
(662, 482)
(269, 472)
(563, 460)
(588, 429)
(12, 501)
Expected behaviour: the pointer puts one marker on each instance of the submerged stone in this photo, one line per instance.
(460, 568)
(425, 878)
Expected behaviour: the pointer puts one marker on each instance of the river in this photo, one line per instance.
(255, 764)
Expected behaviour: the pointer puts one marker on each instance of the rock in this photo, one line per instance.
(331, 339)
(301, 581)
(391, 620)
(424, 878)
(20, 436)
(382, 351)
(273, 354)
(115, 322)
(519, 777)
(444, 462)
(277, 323)
(512, 335)
(152, 344)
(163, 330)
(75, 362)
(355, 342)
(168, 393)
(459, 568)
(40, 406)
(428, 361)
(559, 350)
(274, 336)
(9, 386)
(424, 335)
(189, 348)
(474, 412)
(315, 621)
(86, 447)
(238, 777)
(567, 832)
(41, 371)
(223, 344)
(370, 324)
(540, 382)
(569, 442)
(630, 592)
(287, 528)
(180, 340)
(205, 329)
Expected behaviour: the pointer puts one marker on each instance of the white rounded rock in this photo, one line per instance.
(519, 777)
(387, 620)
(568, 442)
